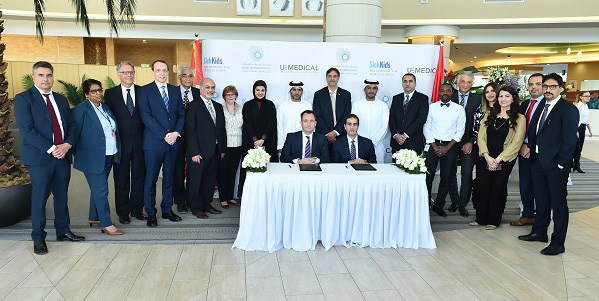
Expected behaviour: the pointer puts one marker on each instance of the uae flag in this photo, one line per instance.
(196, 62)
(439, 76)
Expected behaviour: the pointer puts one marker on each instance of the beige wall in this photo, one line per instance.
(146, 54)
(54, 49)
(392, 9)
(583, 71)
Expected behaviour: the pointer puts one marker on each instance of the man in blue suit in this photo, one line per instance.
(45, 122)
(552, 139)
(353, 148)
(331, 105)
(163, 116)
(306, 146)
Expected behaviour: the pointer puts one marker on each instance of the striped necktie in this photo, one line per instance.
(164, 97)
(308, 149)
(352, 152)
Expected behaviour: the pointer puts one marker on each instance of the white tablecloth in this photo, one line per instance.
(286, 208)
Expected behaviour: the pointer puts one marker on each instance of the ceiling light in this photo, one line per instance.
(569, 50)
(144, 41)
(475, 56)
(579, 54)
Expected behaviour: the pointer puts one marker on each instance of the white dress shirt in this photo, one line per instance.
(445, 123)
(132, 90)
(57, 111)
(551, 105)
(189, 94)
(333, 95)
(584, 112)
(206, 101)
(304, 141)
(159, 85)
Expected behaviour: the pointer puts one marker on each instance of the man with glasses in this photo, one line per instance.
(163, 115)
(528, 108)
(188, 94)
(552, 139)
(129, 173)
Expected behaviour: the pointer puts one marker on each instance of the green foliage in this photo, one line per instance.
(109, 83)
(74, 93)
(27, 81)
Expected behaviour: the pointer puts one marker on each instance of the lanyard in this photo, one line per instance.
(105, 115)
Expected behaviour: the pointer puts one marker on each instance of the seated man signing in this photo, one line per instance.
(306, 146)
(353, 148)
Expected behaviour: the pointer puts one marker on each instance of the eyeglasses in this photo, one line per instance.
(96, 91)
(127, 72)
(550, 87)
(186, 75)
(230, 95)
(585, 96)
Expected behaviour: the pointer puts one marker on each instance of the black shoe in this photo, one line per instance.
(453, 207)
(213, 210)
(439, 212)
(463, 211)
(534, 237)
(139, 216)
(152, 221)
(70, 236)
(125, 220)
(171, 217)
(577, 168)
(39, 247)
(182, 209)
(552, 250)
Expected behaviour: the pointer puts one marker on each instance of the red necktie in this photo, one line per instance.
(55, 125)
(529, 113)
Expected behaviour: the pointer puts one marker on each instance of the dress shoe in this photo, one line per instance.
(473, 223)
(213, 210)
(70, 236)
(577, 168)
(139, 216)
(523, 221)
(224, 205)
(111, 230)
(439, 212)
(234, 202)
(125, 220)
(171, 217)
(152, 221)
(552, 250)
(39, 247)
(182, 209)
(453, 207)
(491, 227)
(463, 211)
(92, 223)
(201, 215)
(534, 237)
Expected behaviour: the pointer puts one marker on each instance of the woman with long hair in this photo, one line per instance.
(501, 134)
(581, 103)
(488, 100)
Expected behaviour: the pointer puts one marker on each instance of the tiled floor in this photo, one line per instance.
(471, 264)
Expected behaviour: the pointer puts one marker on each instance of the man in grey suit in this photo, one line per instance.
(468, 150)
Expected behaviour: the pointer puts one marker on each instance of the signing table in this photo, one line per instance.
(288, 208)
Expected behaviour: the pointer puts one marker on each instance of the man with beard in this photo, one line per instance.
(374, 116)
(288, 111)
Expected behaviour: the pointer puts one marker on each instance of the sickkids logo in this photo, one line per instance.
(380, 65)
(256, 53)
(343, 55)
(212, 60)
(421, 70)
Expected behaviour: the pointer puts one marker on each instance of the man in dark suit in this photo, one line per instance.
(346, 150)
(188, 94)
(206, 141)
(552, 139)
(129, 173)
(331, 105)
(163, 116)
(468, 150)
(306, 146)
(528, 108)
(407, 117)
(45, 122)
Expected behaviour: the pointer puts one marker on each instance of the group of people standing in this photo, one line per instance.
(196, 142)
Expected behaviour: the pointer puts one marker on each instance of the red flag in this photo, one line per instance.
(439, 76)
(196, 62)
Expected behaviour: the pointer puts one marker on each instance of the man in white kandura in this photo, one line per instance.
(288, 111)
(374, 118)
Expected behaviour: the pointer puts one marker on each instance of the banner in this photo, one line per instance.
(241, 63)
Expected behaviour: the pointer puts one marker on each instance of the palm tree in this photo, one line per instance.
(120, 15)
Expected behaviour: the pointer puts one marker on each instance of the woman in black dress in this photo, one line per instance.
(500, 136)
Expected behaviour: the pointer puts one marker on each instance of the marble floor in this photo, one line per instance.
(470, 264)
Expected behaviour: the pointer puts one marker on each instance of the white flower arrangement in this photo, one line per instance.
(409, 161)
(255, 160)
(498, 74)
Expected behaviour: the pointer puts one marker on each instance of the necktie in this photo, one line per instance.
(405, 103)
(334, 105)
(307, 150)
(185, 99)
(543, 117)
(463, 100)
(446, 104)
(56, 133)
(352, 152)
(211, 110)
(129, 102)
(164, 97)
(529, 113)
